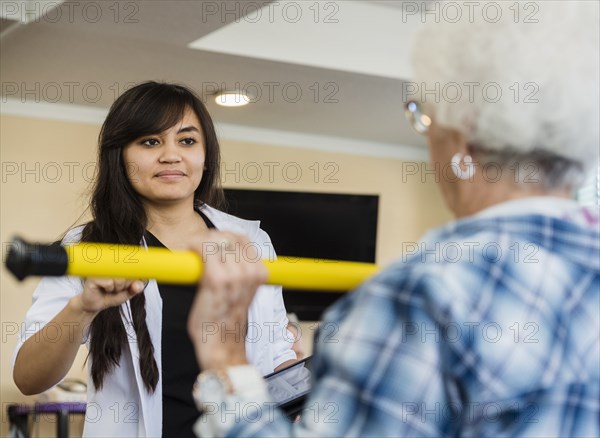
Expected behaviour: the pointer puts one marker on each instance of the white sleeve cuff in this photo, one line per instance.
(222, 410)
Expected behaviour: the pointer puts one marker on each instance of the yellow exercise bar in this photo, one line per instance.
(175, 267)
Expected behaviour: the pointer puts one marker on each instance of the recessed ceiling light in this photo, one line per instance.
(232, 98)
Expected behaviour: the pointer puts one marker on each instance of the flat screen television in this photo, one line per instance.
(316, 225)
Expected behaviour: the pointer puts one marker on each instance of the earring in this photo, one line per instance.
(457, 170)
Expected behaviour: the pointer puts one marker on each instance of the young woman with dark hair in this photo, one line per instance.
(158, 184)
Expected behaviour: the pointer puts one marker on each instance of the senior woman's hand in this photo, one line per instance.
(232, 272)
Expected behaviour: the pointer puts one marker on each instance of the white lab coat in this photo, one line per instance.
(123, 408)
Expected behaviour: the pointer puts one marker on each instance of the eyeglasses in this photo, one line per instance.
(415, 116)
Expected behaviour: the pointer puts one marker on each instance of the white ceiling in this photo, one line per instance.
(327, 79)
(335, 36)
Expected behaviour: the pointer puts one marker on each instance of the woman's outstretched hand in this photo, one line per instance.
(101, 293)
(217, 324)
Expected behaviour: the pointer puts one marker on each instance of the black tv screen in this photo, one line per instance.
(316, 225)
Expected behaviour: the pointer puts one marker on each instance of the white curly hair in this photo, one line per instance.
(544, 59)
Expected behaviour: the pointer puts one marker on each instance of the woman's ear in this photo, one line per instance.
(459, 142)
(446, 141)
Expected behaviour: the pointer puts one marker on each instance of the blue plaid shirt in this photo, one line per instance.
(488, 327)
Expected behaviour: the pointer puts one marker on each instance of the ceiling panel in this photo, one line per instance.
(88, 57)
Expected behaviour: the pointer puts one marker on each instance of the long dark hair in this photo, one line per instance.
(118, 213)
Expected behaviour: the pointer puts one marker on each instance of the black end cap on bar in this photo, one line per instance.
(25, 259)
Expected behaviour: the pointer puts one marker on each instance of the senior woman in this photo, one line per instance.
(492, 327)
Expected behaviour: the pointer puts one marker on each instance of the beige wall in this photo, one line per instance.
(47, 165)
